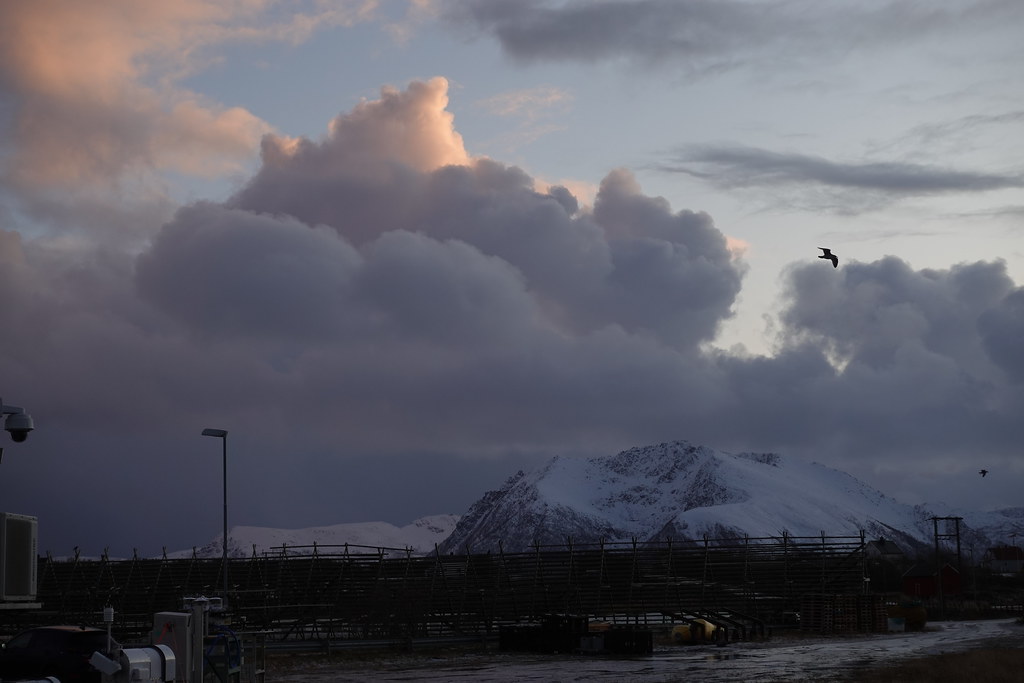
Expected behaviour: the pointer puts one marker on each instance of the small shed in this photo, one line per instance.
(1005, 559)
(884, 549)
(923, 580)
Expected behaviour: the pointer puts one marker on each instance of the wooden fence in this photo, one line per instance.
(338, 593)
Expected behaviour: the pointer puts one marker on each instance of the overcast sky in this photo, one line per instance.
(401, 250)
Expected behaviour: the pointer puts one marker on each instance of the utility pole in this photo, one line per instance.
(938, 557)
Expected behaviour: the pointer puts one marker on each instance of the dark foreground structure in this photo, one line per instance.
(341, 595)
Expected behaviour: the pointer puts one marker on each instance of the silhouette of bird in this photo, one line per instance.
(830, 256)
(983, 472)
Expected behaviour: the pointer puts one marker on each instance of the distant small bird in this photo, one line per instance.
(830, 256)
(982, 472)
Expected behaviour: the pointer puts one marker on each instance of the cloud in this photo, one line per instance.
(248, 274)
(850, 185)
(381, 296)
(97, 88)
(919, 355)
(375, 279)
(780, 40)
(703, 36)
(1001, 327)
(870, 312)
(955, 136)
(526, 103)
(745, 166)
(416, 12)
(653, 31)
(475, 289)
(631, 262)
(530, 110)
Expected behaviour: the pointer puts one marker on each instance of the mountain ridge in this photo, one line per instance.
(674, 490)
(687, 492)
(420, 536)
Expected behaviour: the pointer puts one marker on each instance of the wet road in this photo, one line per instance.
(778, 660)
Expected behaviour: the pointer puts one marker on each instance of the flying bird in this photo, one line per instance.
(830, 256)
(983, 472)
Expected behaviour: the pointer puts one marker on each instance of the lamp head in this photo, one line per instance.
(220, 433)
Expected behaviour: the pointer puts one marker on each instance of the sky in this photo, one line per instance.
(401, 250)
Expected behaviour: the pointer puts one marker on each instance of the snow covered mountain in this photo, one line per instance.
(672, 490)
(681, 491)
(421, 536)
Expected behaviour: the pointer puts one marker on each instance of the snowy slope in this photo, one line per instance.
(421, 536)
(683, 491)
(673, 490)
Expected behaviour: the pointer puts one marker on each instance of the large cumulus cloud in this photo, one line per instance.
(404, 280)
(921, 368)
(382, 296)
(396, 166)
(467, 282)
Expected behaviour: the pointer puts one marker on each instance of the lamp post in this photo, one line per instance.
(222, 434)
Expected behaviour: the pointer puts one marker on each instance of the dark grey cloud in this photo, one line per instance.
(1002, 329)
(921, 353)
(745, 167)
(589, 31)
(870, 312)
(906, 378)
(705, 35)
(227, 271)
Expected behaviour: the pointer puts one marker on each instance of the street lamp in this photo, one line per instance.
(222, 434)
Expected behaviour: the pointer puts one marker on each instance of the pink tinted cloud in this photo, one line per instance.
(95, 85)
(410, 127)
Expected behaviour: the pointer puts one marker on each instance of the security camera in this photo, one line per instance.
(19, 425)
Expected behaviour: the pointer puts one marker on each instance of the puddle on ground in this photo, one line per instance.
(722, 656)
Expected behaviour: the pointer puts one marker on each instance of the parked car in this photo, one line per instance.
(59, 651)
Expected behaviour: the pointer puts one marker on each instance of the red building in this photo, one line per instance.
(922, 581)
(1005, 559)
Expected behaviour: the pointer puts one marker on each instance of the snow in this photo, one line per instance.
(676, 489)
(761, 498)
(680, 490)
(420, 536)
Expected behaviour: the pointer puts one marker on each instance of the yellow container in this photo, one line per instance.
(696, 631)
